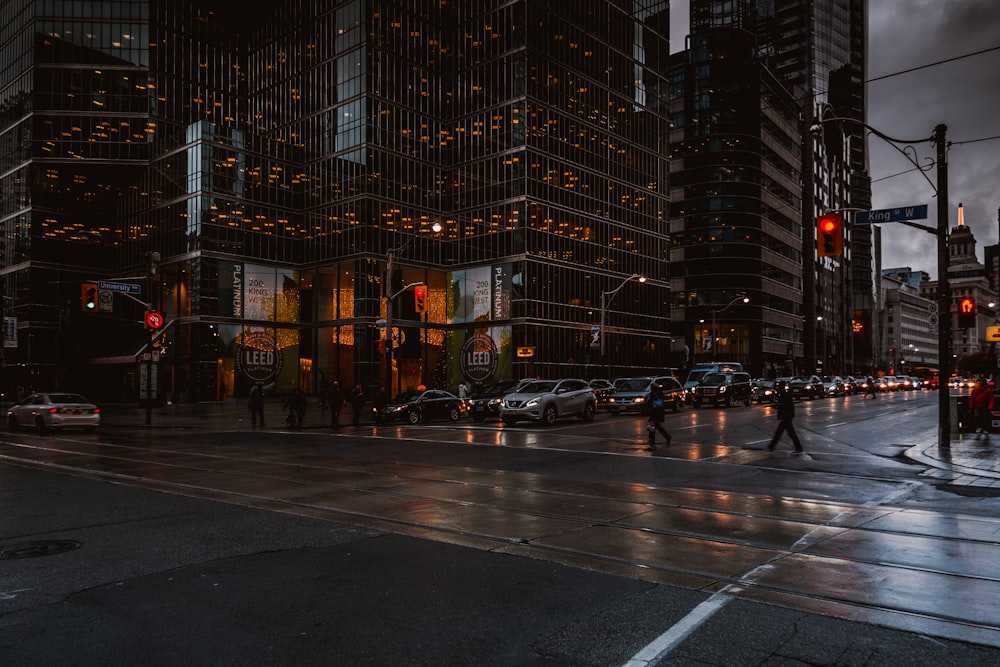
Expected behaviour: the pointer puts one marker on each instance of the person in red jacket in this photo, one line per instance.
(981, 407)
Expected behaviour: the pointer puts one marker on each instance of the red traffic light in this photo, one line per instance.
(420, 299)
(830, 235)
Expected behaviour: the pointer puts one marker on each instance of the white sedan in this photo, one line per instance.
(53, 410)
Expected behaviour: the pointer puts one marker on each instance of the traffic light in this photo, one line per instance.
(966, 312)
(420, 299)
(830, 234)
(88, 297)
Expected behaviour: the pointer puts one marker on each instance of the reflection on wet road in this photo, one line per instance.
(788, 537)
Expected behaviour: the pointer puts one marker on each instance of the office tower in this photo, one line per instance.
(255, 174)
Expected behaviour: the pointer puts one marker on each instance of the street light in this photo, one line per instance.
(606, 298)
(390, 257)
(715, 311)
(905, 148)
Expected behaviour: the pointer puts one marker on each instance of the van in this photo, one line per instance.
(698, 371)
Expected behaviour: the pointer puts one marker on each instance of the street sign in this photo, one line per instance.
(525, 352)
(127, 288)
(993, 334)
(918, 212)
(154, 320)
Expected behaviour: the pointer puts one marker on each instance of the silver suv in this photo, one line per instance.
(548, 400)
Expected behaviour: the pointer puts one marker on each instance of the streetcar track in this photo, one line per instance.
(520, 485)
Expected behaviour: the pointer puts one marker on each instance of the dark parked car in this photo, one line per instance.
(723, 389)
(633, 394)
(763, 391)
(806, 386)
(421, 406)
(604, 389)
(486, 404)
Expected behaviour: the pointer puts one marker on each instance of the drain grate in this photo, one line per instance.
(37, 549)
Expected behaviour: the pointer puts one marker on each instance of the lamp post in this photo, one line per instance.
(606, 298)
(390, 258)
(904, 147)
(715, 311)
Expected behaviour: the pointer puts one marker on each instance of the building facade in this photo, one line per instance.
(735, 206)
(253, 180)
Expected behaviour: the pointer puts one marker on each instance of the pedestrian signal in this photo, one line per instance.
(966, 312)
(830, 235)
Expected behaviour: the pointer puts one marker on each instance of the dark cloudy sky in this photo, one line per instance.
(963, 94)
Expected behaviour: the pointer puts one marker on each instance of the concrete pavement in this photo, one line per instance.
(970, 460)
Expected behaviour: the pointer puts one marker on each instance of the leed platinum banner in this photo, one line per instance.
(480, 296)
(252, 292)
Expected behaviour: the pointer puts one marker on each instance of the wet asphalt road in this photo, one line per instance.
(445, 545)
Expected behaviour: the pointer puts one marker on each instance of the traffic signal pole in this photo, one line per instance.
(944, 291)
(946, 363)
(154, 259)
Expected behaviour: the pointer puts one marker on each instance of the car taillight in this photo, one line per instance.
(54, 411)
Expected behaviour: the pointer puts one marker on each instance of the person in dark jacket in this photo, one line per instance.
(657, 411)
(335, 401)
(256, 404)
(296, 406)
(786, 417)
(381, 401)
(357, 398)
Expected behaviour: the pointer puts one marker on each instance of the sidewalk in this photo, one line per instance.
(229, 414)
(967, 462)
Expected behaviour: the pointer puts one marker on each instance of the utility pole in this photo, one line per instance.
(151, 267)
(944, 290)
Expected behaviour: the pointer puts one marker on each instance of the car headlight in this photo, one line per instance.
(722, 389)
(532, 402)
(495, 401)
(395, 408)
(639, 399)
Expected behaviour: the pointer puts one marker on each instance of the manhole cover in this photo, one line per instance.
(36, 549)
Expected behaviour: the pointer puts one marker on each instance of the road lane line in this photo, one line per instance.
(679, 631)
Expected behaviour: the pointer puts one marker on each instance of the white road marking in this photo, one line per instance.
(679, 632)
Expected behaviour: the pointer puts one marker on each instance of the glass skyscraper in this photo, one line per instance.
(274, 162)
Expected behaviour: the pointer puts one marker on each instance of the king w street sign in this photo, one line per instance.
(891, 215)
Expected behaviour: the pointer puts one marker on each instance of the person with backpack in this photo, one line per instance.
(981, 408)
(256, 404)
(657, 411)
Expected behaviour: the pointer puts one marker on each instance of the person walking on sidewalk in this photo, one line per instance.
(981, 408)
(256, 404)
(296, 406)
(335, 401)
(786, 418)
(357, 399)
(657, 411)
(381, 401)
